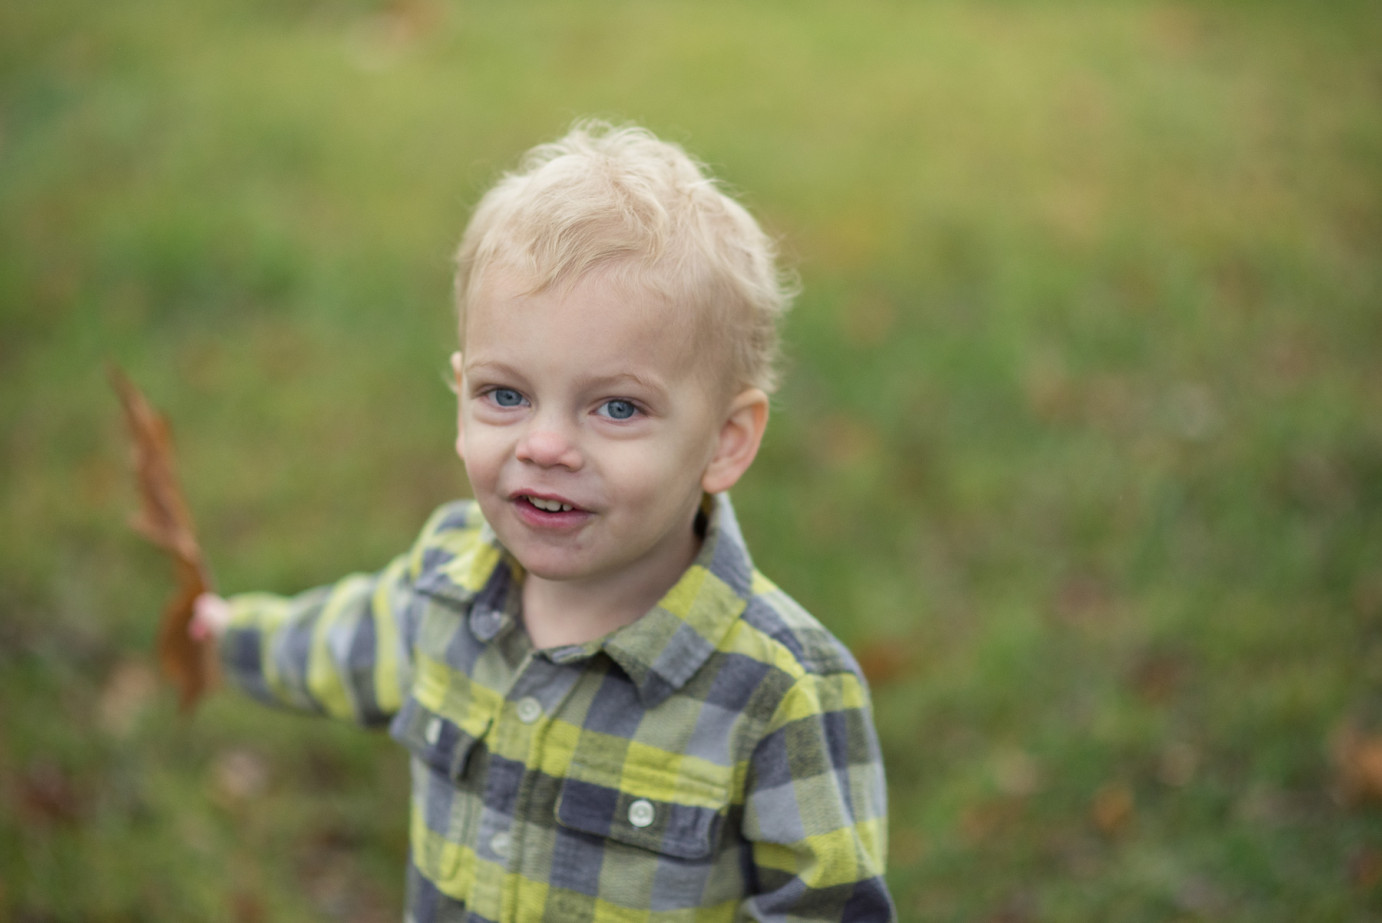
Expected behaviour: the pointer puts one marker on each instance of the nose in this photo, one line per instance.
(547, 446)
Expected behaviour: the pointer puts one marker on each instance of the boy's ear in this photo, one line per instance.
(458, 385)
(738, 441)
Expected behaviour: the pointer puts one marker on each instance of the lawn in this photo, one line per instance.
(1079, 445)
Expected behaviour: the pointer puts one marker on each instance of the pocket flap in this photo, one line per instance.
(668, 827)
(436, 739)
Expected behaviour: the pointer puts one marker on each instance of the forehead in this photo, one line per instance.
(603, 315)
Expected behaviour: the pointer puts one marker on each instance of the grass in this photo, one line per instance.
(1080, 445)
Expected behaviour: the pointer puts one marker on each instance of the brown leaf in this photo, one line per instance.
(124, 697)
(991, 818)
(1365, 868)
(886, 660)
(1358, 765)
(1083, 598)
(163, 518)
(1158, 675)
(239, 775)
(48, 796)
(847, 442)
(1113, 808)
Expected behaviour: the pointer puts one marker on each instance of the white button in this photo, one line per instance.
(500, 844)
(529, 710)
(433, 732)
(641, 813)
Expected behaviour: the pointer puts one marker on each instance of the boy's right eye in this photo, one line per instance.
(506, 397)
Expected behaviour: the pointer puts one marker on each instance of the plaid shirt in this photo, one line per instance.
(715, 760)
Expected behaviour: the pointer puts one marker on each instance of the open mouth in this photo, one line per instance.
(546, 505)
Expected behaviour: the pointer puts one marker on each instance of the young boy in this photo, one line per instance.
(611, 714)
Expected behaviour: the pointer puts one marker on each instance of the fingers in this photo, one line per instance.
(210, 616)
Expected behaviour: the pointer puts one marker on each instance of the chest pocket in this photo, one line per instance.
(647, 806)
(445, 803)
(441, 742)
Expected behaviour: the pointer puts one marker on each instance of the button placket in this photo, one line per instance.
(529, 709)
(642, 813)
(534, 695)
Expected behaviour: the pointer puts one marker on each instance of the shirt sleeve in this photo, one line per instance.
(816, 808)
(338, 650)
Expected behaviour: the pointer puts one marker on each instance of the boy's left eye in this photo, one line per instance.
(618, 409)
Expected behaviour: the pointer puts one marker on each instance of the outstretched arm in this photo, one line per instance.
(337, 650)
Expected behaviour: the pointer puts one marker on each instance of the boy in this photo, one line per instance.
(611, 714)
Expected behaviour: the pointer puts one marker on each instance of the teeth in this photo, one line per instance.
(550, 506)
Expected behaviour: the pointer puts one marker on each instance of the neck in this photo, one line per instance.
(562, 612)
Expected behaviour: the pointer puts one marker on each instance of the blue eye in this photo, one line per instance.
(619, 409)
(506, 397)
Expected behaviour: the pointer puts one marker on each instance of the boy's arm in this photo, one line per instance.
(816, 808)
(336, 650)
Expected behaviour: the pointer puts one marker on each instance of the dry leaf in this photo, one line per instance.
(239, 775)
(1113, 808)
(1358, 765)
(1016, 773)
(886, 660)
(1365, 868)
(127, 692)
(163, 518)
(48, 796)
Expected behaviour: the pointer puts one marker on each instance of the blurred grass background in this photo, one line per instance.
(1080, 445)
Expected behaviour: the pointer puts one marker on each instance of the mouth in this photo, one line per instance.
(547, 504)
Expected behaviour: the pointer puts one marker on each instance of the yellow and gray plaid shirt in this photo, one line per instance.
(715, 760)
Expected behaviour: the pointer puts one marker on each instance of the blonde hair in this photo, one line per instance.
(619, 200)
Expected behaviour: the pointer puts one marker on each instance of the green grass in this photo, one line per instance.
(1080, 442)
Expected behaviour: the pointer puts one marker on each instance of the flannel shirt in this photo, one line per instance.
(715, 760)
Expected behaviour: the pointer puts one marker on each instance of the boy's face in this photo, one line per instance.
(589, 433)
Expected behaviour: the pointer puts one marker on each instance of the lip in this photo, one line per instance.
(544, 519)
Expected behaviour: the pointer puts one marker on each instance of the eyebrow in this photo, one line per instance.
(613, 382)
(601, 382)
(492, 367)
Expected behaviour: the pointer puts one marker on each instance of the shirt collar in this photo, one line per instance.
(662, 650)
(471, 571)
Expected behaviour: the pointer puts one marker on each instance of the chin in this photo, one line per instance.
(542, 563)
(552, 571)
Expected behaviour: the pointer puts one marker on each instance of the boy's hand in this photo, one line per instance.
(210, 616)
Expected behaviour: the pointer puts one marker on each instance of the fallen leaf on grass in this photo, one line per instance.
(1016, 773)
(48, 796)
(163, 518)
(1358, 765)
(247, 907)
(886, 660)
(1113, 808)
(1083, 599)
(991, 818)
(1178, 764)
(1017, 908)
(847, 442)
(1158, 675)
(1365, 869)
(238, 776)
(124, 697)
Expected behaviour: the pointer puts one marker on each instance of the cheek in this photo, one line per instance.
(465, 438)
(461, 430)
(663, 481)
(481, 452)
